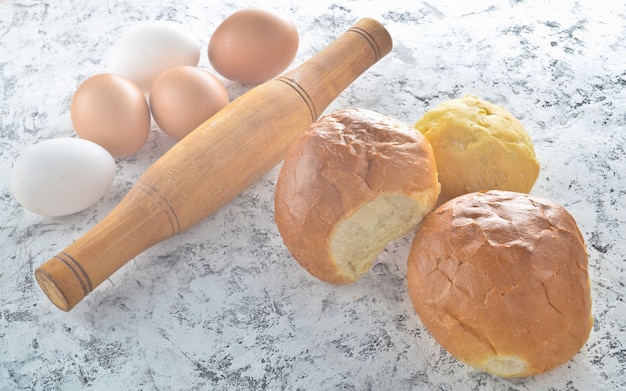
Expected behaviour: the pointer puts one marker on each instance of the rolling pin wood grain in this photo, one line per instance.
(212, 164)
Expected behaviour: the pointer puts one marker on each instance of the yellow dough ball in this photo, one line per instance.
(478, 146)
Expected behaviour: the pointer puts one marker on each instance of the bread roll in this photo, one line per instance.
(478, 146)
(350, 184)
(500, 280)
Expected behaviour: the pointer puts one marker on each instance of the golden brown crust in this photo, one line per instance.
(502, 274)
(343, 161)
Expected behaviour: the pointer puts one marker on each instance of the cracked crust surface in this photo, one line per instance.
(500, 280)
(350, 184)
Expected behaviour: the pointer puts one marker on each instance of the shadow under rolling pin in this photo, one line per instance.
(212, 164)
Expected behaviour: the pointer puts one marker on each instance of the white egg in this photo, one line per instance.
(62, 176)
(147, 49)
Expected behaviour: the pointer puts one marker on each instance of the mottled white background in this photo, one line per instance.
(223, 306)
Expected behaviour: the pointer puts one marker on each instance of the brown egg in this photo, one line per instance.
(111, 111)
(253, 45)
(183, 97)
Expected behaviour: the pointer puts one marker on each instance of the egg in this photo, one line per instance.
(111, 111)
(253, 45)
(147, 49)
(61, 176)
(183, 97)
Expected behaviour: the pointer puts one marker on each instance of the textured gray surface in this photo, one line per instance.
(223, 306)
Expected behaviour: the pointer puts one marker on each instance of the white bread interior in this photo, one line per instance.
(359, 238)
(504, 366)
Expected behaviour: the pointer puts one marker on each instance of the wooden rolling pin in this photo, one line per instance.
(212, 164)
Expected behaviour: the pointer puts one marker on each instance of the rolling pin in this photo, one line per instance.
(212, 164)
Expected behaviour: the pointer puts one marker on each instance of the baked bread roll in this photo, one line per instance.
(500, 280)
(353, 182)
(478, 146)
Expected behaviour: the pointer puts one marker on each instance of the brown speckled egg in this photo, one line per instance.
(253, 45)
(111, 111)
(183, 97)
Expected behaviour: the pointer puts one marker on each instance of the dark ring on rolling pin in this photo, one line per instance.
(164, 204)
(369, 40)
(303, 94)
(77, 270)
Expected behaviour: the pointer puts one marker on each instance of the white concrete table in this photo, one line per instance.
(223, 306)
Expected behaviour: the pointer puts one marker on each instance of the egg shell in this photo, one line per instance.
(253, 45)
(147, 49)
(113, 112)
(62, 176)
(182, 98)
